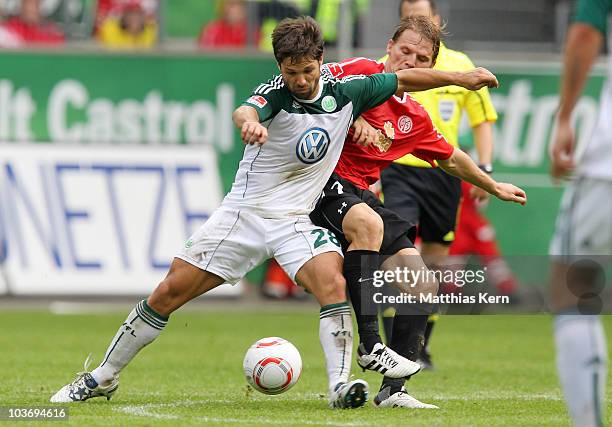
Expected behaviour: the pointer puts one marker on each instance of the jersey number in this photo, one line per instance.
(340, 187)
(321, 238)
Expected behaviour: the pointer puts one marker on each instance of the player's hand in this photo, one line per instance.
(254, 133)
(478, 78)
(479, 194)
(510, 193)
(365, 134)
(562, 151)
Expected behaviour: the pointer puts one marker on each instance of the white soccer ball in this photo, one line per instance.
(272, 365)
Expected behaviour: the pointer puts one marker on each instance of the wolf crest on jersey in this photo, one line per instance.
(285, 176)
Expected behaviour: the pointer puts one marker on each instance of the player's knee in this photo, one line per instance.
(427, 286)
(364, 229)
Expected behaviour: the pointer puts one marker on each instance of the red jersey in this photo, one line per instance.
(403, 125)
(221, 34)
(43, 33)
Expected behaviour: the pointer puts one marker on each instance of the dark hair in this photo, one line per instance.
(423, 26)
(432, 4)
(298, 39)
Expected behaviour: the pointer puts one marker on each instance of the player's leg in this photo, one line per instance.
(441, 199)
(409, 325)
(141, 327)
(213, 255)
(361, 262)
(360, 232)
(434, 255)
(322, 276)
(583, 227)
(363, 229)
(402, 189)
(312, 257)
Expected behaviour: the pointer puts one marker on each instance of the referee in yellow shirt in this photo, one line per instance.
(428, 196)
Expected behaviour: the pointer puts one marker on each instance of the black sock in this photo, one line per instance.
(359, 267)
(388, 312)
(407, 340)
(428, 330)
(388, 327)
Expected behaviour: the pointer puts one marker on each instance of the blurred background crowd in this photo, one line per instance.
(484, 25)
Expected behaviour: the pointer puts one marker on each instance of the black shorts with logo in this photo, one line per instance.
(428, 197)
(339, 195)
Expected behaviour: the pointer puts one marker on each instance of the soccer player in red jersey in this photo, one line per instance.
(364, 227)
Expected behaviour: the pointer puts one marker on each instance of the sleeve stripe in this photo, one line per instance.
(334, 80)
(265, 88)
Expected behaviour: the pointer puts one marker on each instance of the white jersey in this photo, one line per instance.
(594, 159)
(285, 176)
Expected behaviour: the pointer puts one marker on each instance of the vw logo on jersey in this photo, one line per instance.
(313, 145)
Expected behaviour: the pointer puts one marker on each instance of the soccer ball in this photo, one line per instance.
(272, 365)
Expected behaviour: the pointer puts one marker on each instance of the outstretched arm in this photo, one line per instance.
(483, 140)
(417, 79)
(582, 47)
(462, 166)
(247, 120)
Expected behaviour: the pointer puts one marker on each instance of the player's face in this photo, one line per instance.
(419, 8)
(301, 78)
(411, 50)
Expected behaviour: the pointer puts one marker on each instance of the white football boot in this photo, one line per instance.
(353, 394)
(84, 387)
(401, 399)
(386, 361)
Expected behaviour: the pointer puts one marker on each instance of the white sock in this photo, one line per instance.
(140, 328)
(336, 336)
(582, 366)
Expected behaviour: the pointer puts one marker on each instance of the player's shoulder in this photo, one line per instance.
(415, 108)
(406, 106)
(454, 60)
(357, 65)
(275, 84)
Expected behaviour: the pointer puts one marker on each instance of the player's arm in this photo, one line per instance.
(583, 45)
(246, 118)
(462, 166)
(364, 133)
(417, 79)
(483, 140)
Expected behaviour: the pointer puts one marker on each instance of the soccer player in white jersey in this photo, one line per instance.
(295, 126)
(583, 228)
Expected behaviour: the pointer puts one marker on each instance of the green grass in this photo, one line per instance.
(491, 370)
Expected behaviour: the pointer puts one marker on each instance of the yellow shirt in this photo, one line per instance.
(112, 35)
(445, 105)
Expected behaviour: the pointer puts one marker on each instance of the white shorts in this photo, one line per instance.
(233, 242)
(584, 223)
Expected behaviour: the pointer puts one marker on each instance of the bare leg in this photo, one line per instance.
(146, 321)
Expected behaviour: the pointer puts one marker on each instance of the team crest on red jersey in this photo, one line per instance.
(385, 139)
(404, 124)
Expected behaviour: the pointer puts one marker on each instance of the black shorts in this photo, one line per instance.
(424, 196)
(339, 195)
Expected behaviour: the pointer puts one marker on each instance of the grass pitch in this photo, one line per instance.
(491, 370)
